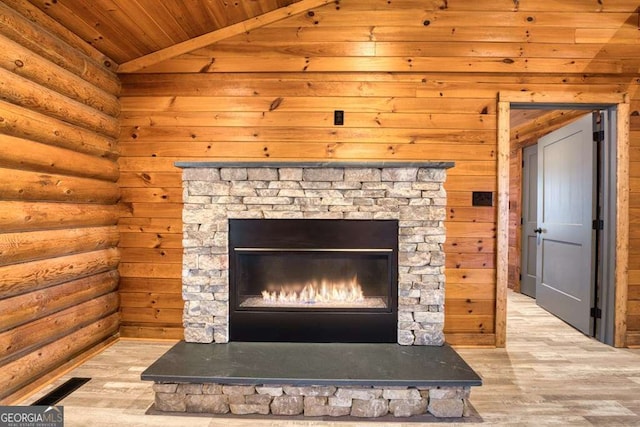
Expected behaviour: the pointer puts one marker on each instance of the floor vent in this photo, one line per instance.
(61, 392)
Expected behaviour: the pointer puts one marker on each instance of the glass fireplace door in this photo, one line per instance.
(313, 280)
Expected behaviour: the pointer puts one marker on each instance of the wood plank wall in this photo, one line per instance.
(58, 195)
(515, 213)
(416, 79)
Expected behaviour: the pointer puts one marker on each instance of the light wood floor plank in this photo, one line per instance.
(548, 374)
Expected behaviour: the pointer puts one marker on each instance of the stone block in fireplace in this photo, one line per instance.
(410, 195)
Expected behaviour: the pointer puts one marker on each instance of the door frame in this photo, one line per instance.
(620, 102)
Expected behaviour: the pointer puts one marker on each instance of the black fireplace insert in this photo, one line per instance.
(313, 280)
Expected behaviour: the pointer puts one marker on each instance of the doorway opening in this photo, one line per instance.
(561, 202)
(607, 301)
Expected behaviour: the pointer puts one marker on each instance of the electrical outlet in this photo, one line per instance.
(482, 198)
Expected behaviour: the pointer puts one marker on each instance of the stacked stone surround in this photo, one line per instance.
(412, 195)
(311, 401)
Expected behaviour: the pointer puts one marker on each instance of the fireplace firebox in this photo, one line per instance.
(313, 280)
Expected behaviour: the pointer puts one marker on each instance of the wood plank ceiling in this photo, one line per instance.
(125, 30)
(128, 29)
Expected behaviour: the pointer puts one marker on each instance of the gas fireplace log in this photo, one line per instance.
(24, 123)
(49, 159)
(31, 246)
(31, 216)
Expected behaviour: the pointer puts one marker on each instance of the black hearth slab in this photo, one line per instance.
(324, 164)
(313, 364)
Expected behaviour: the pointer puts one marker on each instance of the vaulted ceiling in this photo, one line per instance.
(128, 29)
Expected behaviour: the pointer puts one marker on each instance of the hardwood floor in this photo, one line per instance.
(549, 374)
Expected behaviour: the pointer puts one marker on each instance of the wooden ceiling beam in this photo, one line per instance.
(221, 34)
(530, 132)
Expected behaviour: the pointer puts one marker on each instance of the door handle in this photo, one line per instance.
(538, 230)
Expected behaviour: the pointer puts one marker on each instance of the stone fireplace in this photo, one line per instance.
(409, 195)
(296, 266)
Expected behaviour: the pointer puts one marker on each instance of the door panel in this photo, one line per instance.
(529, 220)
(565, 212)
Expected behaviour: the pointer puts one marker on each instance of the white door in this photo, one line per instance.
(529, 220)
(565, 213)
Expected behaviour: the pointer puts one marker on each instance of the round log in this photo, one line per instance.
(19, 29)
(20, 91)
(49, 159)
(25, 185)
(24, 123)
(35, 245)
(18, 279)
(48, 329)
(40, 18)
(31, 216)
(21, 372)
(34, 305)
(21, 61)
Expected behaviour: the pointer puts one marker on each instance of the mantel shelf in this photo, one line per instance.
(317, 164)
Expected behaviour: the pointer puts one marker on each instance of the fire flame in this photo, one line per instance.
(322, 291)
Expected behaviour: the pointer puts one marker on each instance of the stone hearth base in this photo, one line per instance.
(311, 401)
(312, 380)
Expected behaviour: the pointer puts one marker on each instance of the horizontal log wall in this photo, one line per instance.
(58, 198)
(416, 80)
